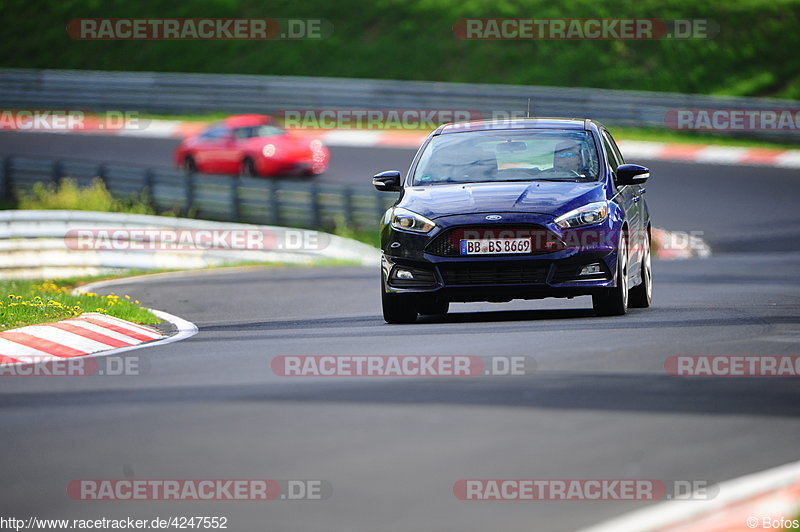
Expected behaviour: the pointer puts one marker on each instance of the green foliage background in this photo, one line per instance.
(755, 53)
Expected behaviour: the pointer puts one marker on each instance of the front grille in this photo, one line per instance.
(496, 273)
(448, 243)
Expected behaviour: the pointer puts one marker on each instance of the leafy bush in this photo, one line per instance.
(68, 195)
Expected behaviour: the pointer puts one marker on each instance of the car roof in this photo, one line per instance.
(246, 120)
(519, 123)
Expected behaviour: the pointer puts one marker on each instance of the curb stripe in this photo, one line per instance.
(121, 330)
(18, 352)
(125, 324)
(91, 335)
(46, 346)
(64, 338)
(103, 331)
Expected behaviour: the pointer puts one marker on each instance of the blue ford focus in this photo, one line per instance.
(515, 209)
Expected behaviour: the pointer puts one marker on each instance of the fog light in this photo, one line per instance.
(591, 269)
(404, 274)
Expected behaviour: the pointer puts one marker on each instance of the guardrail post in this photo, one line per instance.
(147, 189)
(189, 195)
(6, 187)
(379, 204)
(235, 203)
(349, 218)
(316, 215)
(274, 202)
(58, 171)
(101, 174)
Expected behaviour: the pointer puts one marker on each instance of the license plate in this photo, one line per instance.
(497, 246)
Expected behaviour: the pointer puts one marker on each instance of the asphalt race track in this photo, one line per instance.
(599, 405)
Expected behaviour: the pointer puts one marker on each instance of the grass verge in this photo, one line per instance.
(27, 302)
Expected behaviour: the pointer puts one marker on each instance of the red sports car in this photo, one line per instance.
(251, 145)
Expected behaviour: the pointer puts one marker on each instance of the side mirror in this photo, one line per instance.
(632, 174)
(388, 181)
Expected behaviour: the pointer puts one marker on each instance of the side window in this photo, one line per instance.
(611, 155)
(215, 133)
(243, 133)
(607, 136)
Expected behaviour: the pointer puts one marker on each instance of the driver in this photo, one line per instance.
(567, 156)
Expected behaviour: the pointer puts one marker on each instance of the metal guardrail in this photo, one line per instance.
(178, 93)
(41, 244)
(308, 204)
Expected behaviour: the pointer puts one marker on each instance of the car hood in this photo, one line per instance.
(540, 197)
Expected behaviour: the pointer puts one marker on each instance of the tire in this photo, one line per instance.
(248, 168)
(434, 307)
(614, 302)
(641, 295)
(189, 165)
(398, 308)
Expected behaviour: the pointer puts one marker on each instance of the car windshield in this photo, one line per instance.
(505, 155)
(250, 132)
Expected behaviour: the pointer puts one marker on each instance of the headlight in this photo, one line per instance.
(268, 150)
(405, 220)
(593, 213)
(315, 145)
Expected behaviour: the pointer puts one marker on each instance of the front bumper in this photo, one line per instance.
(408, 266)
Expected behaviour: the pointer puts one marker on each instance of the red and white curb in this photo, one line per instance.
(90, 333)
(752, 502)
(645, 150)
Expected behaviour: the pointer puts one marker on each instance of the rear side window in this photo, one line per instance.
(215, 133)
(614, 158)
(610, 144)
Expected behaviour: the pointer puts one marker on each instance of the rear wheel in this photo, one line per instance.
(398, 308)
(189, 166)
(614, 302)
(641, 295)
(249, 168)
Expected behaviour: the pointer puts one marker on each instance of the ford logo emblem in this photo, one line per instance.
(494, 217)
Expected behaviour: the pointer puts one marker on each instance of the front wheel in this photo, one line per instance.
(434, 307)
(614, 302)
(641, 295)
(398, 308)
